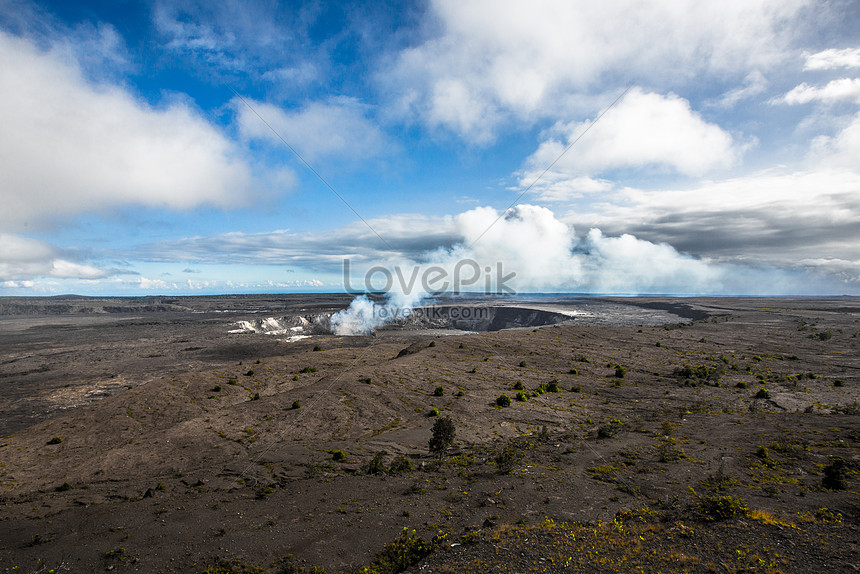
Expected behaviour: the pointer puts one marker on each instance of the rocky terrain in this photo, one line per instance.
(700, 435)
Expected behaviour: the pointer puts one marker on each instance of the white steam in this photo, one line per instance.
(526, 249)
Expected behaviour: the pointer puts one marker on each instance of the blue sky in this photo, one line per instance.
(717, 145)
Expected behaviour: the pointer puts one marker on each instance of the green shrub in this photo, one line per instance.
(741, 385)
(572, 371)
(433, 413)
(507, 459)
(255, 397)
(376, 465)
(552, 386)
(522, 397)
(503, 401)
(619, 372)
(836, 475)
(518, 386)
(717, 507)
(444, 433)
(338, 455)
(460, 393)
(317, 348)
(522, 363)
(401, 553)
(401, 464)
(249, 373)
(762, 394)
(232, 382)
(297, 405)
(432, 344)
(64, 487)
(576, 389)
(838, 383)
(438, 391)
(610, 429)
(55, 440)
(309, 370)
(216, 389)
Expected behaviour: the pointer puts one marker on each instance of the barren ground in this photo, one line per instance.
(182, 448)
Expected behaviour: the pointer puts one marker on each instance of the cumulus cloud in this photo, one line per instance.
(69, 146)
(644, 130)
(775, 219)
(487, 61)
(23, 259)
(843, 89)
(841, 150)
(337, 128)
(833, 59)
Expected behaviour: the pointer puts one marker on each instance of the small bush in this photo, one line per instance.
(338, 455)
(836, 475)
(64, 487)
(376, 465)
(518, 386)
(365, 380)
(741, 385)
(838, 383)
(317, 348)
(460, 393)
(718, 507)
(610, 429)
(401, 464)
(522, 397)
(503, 401)
(522, 363)
(552, 386)
(432, 344)
(232, 382)
(507, 459)
(619, 372)
(256, 397)
(249, 373)
(762, 394)
(433, 413)
(572, 371)
(443, 436)
(576, 389)
(438, 391)
(297, 405)
(309, 370)
(55, 440)
(401, 553)
(216, 389)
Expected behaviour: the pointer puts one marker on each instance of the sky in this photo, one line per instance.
(630, 147)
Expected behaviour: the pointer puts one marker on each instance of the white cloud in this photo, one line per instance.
(68, 146)
(22, 258)
(843, 89)
(755, 84)
(774, 219)
(643, 130)
(841, 150)
(338, 128)
(833, 58)
(490, 61)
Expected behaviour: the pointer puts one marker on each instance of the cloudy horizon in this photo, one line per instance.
(660, 147)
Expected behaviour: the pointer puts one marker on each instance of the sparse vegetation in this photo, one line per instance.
(503, 401)
(438, 391)
(55, 440)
